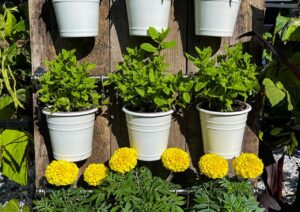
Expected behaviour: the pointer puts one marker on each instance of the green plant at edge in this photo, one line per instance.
(13, 161)
(14, 90)
(223, 79)
(141, 79)
(233, 195)
(281, 87)
(14, 206)
(67, 86)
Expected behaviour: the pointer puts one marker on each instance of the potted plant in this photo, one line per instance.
(146, 13)
(149, 94)
(77, 18)
(219, 83)
(216, 17)
(71, 102)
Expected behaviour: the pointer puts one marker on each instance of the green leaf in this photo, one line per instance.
(11, 206)
(140, 91)
(159, 101)
(152, 32)
(186, 97)
(13, 144)
(273, 93)
(168, 45)
(151, 76)
(148, 47)
(276, 131)
(5, 101)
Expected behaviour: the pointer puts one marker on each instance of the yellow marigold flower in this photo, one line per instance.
(95, 174)
(175, 160)
(213, 166)
(248, 165)
(61, 173)
(123, 160)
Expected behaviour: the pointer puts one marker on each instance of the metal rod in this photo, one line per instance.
(42, 192)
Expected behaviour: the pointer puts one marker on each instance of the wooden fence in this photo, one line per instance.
(106, 51)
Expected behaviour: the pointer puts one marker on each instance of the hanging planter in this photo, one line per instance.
(223, 132)
(71, 134)
(70, 100)
(148, 133)
(216, 17)
(147, 13)
(77, 18)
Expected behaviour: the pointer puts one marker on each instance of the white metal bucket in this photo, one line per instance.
(145, 13)
(148, 133)
(216, 17)
(223, 132)
(71, 134)
(77, 18)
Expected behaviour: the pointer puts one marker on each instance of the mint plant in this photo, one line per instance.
(67, 85)
(142, 82)
(222, 79)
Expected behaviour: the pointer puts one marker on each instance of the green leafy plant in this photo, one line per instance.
(225, 194)
(137, 190)
(280, 109)
(13, 161)
(67, 85)
(15, 75)
(141, 79)
(14, 205)
(14, 56)
(222, 79)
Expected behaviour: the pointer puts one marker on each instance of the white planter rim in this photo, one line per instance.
(67, 114)
(76, 0)
(151, 114)
(246, 110)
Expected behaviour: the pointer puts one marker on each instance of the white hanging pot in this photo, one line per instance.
(77, 18)
(223, 132)
(148, 133)
(216, 17)
(71, 134)
(143, 14)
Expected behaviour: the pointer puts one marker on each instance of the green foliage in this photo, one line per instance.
(224, 78)
(14, 206)
(281, 87)
(141, 79)
(14, 54)
(13, 162)
(15, 75)
(137, 191)
(287, 28)
(71, 200)
(67, 85)
(225, 195)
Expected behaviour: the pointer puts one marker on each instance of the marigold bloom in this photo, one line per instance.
(123, 160)
(213, 166)
(175, 160)
(248, 165)
(61, 173)
(95, 174)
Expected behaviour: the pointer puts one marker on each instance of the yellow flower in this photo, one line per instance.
(175, 160)
(61, 173)
(95, 174)
(213, 166)
(248, 165)
(123, 160)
